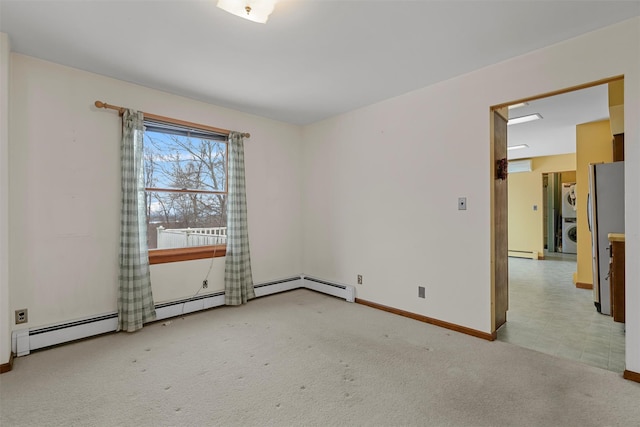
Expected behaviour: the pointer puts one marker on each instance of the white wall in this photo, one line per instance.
(64, 192)
(5, 320)
(381, 183)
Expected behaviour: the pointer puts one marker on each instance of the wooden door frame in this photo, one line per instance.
(503, 110)
(497, 238)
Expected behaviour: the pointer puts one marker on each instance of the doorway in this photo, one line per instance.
(547, 310)
(559, 212)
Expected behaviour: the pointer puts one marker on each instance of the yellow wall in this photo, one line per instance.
(569, 176)
(616, 106)
(526, 227)
(593, 145)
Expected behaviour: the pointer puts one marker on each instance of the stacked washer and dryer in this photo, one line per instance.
(569, 219)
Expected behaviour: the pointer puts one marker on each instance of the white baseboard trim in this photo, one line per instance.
(26, 340)
(524, 254)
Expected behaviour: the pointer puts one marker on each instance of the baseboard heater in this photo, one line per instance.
(524, 254)
(347, 292)
(26, 340)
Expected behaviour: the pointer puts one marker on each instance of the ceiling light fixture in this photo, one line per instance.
(518, 105)
(517, 147)
(253, 10)
(524, 119)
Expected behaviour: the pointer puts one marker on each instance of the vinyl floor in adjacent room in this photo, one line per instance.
(547, 313)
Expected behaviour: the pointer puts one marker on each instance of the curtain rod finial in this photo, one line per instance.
(101, 104)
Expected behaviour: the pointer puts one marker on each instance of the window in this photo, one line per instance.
(185, 173)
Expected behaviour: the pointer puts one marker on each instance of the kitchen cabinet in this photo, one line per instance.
(618, 147)
(616, 273)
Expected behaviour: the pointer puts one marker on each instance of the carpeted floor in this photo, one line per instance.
(302, 358)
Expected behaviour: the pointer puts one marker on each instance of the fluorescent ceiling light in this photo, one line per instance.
(253, 10)
(518, 105)
(524, 119)
(517, 147)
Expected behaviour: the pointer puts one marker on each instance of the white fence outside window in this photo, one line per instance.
(187, 237)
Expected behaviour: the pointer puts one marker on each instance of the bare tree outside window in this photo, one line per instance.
(186, 188)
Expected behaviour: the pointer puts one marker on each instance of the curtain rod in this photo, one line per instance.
(120, 111)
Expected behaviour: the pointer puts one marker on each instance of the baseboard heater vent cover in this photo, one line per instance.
(26, 340)
(277, 286)
(347, 292)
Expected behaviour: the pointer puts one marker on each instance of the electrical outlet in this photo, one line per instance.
(421, 292)
(359, 279)
(462, 203)
(205, 284)
(22, 316)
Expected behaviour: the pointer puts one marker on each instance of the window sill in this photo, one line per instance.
(162, 256)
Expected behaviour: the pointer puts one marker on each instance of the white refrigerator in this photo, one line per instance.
(605, 211)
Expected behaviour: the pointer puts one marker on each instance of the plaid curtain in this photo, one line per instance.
(238, 281)
(135, 301)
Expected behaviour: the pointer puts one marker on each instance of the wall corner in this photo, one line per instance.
(5, 318)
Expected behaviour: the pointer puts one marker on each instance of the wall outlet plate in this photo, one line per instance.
(359, 279)
(421, 292)
(22, 316)
(462, 203)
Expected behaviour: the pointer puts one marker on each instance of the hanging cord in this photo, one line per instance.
(210, 265)
(206, 278)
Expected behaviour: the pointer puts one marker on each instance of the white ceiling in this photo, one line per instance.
(555, 133)
(311, 61)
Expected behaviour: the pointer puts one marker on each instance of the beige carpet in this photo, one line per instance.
(302, 358)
